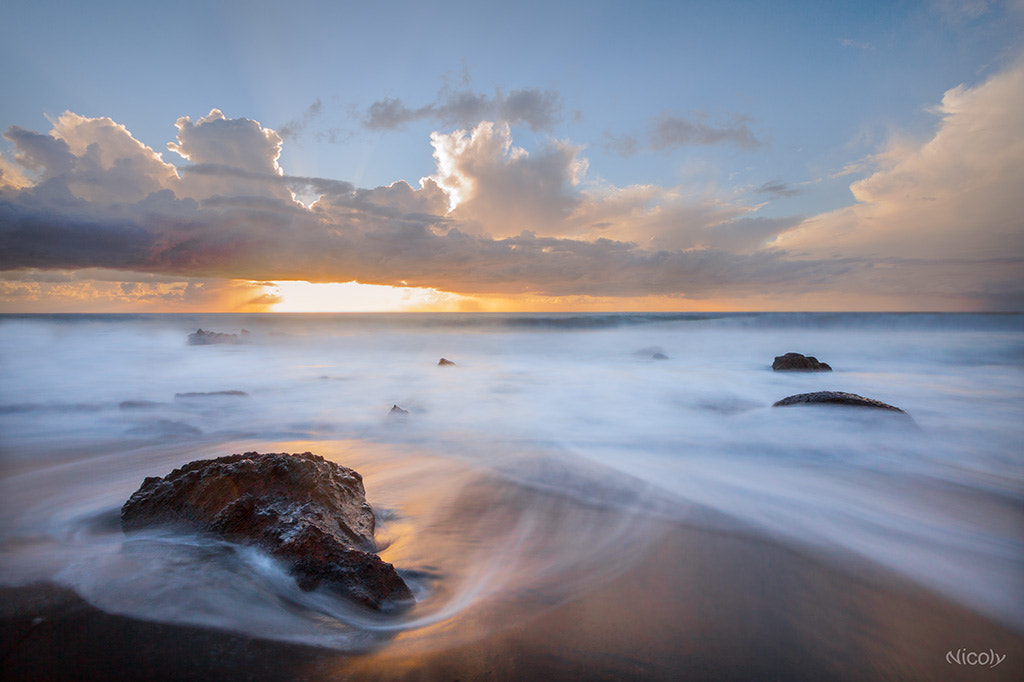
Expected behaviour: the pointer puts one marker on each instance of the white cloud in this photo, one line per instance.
(95, 158)
(502, 189)
(957, 195)
(237, 142)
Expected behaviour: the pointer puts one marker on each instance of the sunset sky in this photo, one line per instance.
(258, 156)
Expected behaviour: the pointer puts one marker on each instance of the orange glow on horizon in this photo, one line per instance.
(105, 291)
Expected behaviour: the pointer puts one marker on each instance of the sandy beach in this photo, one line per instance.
(698, 604)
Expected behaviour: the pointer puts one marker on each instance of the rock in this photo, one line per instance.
(835, 398)
(795, 362)
(204, 338)
(397, 411)
(652, 353)
(210, 394)
(137, 404)
(444, 362)
(301, 508)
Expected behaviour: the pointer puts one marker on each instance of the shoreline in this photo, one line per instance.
(699, 604)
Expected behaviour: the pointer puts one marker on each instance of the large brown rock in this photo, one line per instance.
(835, 398)
(796, 362)
(301, 508)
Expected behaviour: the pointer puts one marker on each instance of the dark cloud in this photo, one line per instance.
(669, 131)
(355, 238)
(779, 188)
(532, 107)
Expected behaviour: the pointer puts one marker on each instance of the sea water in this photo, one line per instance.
(639, 416)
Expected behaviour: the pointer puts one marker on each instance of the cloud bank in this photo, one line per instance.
(937, 223)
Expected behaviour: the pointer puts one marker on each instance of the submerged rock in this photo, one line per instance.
(835, 398)
(651, 353)
(203, 338)
(795, 362)
(397, 411)
(301, 508)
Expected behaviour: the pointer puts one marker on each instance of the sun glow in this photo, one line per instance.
(353, 297)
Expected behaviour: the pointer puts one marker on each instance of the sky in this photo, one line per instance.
(466, 156)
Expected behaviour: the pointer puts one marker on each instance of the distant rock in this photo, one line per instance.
(795, 362)
(210, 394)
(137, 404)
(203, 338)
(444, 362)
(651, 352)
(835, 398)
(301, 508)
(397, 411)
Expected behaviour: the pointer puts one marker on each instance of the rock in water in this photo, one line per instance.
(301, 508)
(795, 362)
(835, 398)
(445, 362)
(205, 338)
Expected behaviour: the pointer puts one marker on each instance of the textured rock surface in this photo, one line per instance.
(835, 398)
(203, 338)
(301, 508)
(795, 362)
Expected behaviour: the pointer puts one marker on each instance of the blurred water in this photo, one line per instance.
(632, 415)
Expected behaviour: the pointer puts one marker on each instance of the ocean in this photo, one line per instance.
(527, 474)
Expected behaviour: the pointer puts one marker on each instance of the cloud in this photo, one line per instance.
(958, 11)
(669, 131)
(623, 145)
(236, 142)
(295, 127)
(532, 107)
(846, 42)
(101, 290)
(502, 188)
(955, 195)
(496, 219)
(778, 188)
(95, 158)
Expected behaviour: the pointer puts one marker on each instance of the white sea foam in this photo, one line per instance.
(89, 405)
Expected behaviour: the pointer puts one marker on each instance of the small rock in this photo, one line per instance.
(444, 362)
(795, 362)
(835, 398)
(398, 411)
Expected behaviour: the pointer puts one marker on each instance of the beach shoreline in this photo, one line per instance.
(700, 604)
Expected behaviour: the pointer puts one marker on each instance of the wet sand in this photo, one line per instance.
(699, 604)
